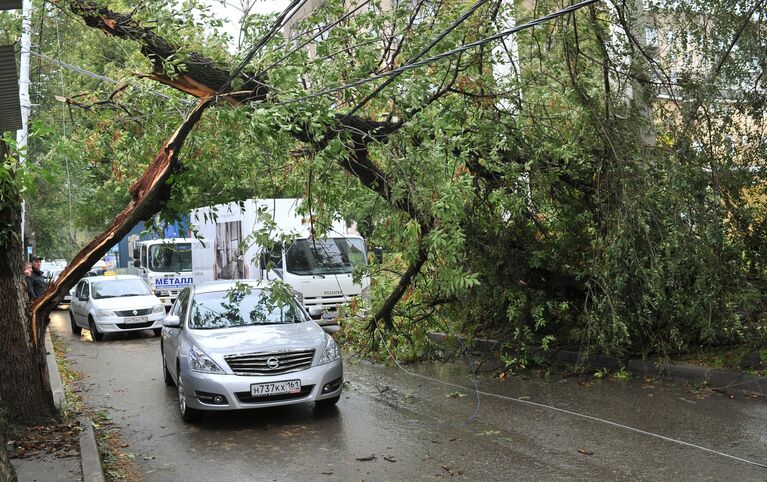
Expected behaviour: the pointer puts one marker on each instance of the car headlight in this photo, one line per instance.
(104, 313)
(200, 362)
(158, 309)
(332, 353)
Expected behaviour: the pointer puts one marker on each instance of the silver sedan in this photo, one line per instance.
(230, 345)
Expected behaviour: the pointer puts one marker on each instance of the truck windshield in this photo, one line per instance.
(170, 257)
(325, 256)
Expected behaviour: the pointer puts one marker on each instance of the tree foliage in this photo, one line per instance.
(609, 194)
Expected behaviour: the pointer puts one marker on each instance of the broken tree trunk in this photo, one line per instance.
(200, 77)
(148, 195)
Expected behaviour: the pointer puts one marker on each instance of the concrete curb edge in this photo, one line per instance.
(722, 380)
(90, 460)
(89, 453)
(53, 372)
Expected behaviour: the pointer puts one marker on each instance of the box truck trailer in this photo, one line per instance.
(268, 239)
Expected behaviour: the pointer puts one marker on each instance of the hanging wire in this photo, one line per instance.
(442, 55)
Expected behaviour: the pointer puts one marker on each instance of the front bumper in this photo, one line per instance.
(201, 387)
(116, 324)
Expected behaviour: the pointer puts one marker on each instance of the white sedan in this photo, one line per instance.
(114, 304)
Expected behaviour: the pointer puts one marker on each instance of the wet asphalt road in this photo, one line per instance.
(414, 428)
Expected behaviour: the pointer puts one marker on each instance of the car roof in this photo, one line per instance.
(112, 277)
(227, 284)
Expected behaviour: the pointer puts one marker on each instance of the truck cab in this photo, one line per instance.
(320, 271)
(167, 265)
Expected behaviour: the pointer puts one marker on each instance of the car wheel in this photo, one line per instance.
(187, 414)
(95, 333)
(157, 331)
(166, 374)
(75, 329)
(328, 402)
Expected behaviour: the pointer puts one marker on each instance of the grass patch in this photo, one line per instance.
(118, 464)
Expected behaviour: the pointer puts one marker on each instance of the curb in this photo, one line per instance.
(716, 379)
(89, 453)
(53, 372)
(90, 460)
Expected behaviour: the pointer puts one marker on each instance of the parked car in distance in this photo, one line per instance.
(114, 304)
(51, 277)
(230, 345)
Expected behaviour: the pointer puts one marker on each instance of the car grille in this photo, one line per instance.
(246, 397)
(256, 363)
(133, 326)
(142, 311)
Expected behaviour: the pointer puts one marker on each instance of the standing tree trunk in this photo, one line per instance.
(6, 469)
(25, 392)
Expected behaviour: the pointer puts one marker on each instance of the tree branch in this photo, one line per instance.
(148, 195)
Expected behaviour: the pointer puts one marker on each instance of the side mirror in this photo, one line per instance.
(137, 263)
(136, 253)
(172, 321)
(378, 253)
(83, 298)
(316, 310)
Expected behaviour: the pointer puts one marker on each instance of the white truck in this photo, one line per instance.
(169, 265)
(319, 269)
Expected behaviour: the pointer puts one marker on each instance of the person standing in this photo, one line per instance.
(28, 280)
(37, 280)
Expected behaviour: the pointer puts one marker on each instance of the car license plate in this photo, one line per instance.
(275, 388)
(135, 320)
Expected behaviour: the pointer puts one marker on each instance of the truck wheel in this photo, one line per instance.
(95, 333)
(75, 329)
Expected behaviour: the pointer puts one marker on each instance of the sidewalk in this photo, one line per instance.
(65, 464)
(716, 379)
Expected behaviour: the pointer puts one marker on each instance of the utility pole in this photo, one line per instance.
(22, 134)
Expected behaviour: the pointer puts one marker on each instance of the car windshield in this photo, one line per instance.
(119, 287)
(170, 257)
(243, 306)
(325, 256)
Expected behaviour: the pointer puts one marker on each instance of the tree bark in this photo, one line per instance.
(7, 473)
(25, 391)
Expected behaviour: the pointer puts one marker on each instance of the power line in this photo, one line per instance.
(75, 68)
(417, 56)
(94, 75)
(442, 55)
(279, 22)
(317, 34)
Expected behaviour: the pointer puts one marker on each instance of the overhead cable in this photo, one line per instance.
(420, 54)
(279, 23)
(448, 53)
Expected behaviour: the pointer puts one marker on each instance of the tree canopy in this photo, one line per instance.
(596, 179)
